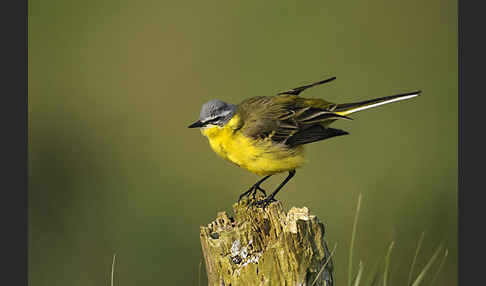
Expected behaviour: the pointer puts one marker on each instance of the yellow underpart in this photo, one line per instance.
(262, 156)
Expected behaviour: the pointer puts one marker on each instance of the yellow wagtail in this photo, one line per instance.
(266, 134)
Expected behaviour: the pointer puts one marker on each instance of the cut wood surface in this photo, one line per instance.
(266, 247)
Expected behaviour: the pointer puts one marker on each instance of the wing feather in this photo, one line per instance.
(288, 119)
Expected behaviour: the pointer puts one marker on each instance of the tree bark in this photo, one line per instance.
(269, 247)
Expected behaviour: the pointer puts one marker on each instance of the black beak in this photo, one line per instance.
(196, 124)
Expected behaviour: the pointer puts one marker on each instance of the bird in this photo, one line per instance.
(266, 134)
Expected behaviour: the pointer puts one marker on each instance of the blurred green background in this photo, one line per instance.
(113, 168)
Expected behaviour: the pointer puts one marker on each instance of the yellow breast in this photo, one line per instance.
(262, 156)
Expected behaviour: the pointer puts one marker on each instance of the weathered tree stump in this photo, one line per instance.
(269, 247)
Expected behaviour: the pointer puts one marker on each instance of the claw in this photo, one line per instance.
(254, 189)
(247, 193)
(252, 192)
(264, 203)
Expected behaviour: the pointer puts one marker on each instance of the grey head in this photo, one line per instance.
(215, 112)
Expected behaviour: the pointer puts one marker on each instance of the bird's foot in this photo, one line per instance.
(264, 203)
(252, 192)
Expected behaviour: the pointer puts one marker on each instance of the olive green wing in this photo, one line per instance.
(313, 134)
(288, 119)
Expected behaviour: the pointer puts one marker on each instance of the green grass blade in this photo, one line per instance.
(373, 274)
(421, 276)
(360, 272)
(353, 237)
(325, 264)
(387, 263)
(113, 268)
(419, 245)
(376, 279)
(199, 273)
(440, 267)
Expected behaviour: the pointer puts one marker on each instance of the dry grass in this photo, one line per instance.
(113, 269)
(376, 278)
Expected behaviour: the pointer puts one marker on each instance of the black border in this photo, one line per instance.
(471, 49)
(13, 206)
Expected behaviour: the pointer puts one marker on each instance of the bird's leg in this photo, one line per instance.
(253, 189)
(265, 202)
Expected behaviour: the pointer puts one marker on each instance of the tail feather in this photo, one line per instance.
(298, 90)
(348, 108)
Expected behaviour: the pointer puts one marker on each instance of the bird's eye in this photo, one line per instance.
(216, 119)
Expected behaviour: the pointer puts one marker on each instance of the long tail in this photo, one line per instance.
(348, 108)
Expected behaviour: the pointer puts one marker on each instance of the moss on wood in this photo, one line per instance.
(271, 247)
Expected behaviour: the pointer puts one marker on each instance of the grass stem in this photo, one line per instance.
(419, 245)
(440, 267)
(387, 263)
(421, 276)
(113, 268)
(353, 237)
(325, 264)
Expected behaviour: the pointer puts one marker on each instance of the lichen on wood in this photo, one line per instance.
(266, 247)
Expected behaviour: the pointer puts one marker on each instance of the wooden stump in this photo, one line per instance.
(269, 247)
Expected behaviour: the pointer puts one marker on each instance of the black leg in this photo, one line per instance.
(271, 198)
(253, 189)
